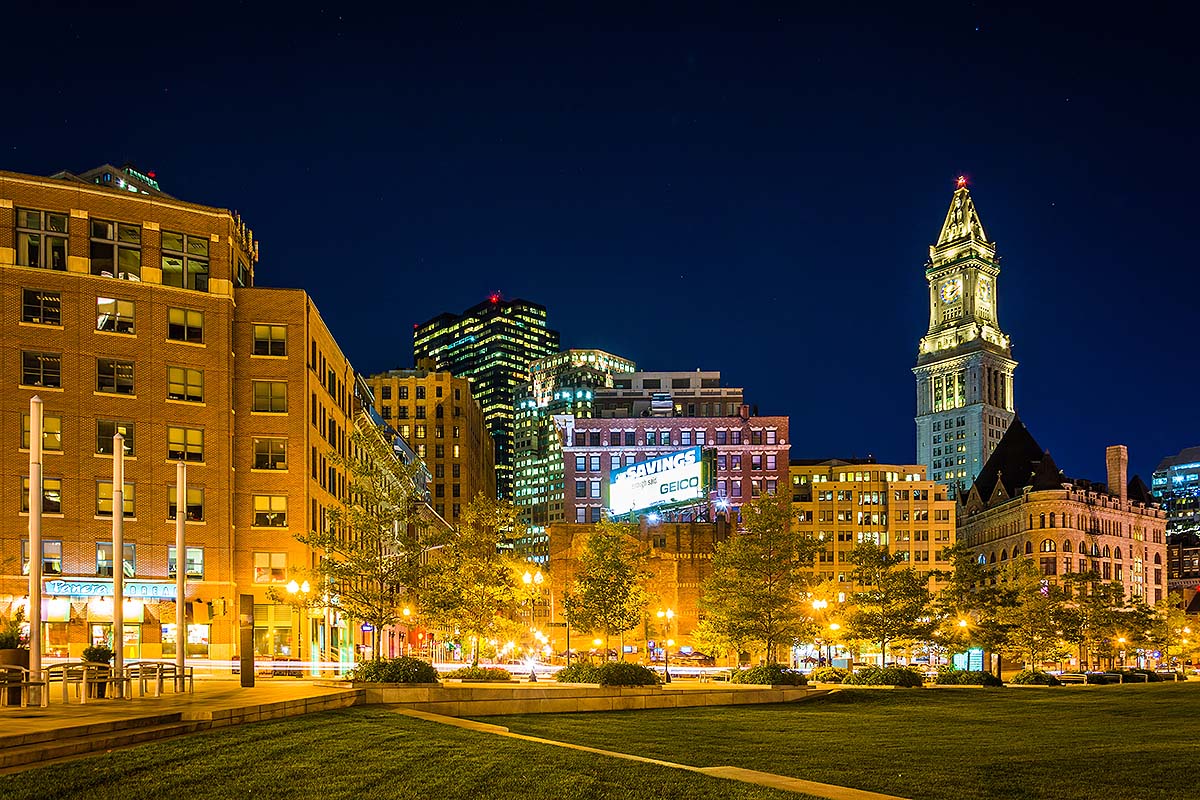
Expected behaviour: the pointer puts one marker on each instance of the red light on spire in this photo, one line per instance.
(151, 174)
(962, 181)
(494, 297)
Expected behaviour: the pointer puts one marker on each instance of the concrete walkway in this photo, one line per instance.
(766, 779)
(211, 697)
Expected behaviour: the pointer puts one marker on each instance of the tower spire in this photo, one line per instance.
(962, 220)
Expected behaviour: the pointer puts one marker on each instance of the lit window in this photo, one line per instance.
(184, 383)
(51, 495)
(106, 429)
(185, 261)
(51, 432)
(104, 499)
(41, 239)
(270, 396)
(40, 307)
(185, 325)
(41, 369)
(114, 315)
(185, 444)
(194, 565)
(270, 567)
(51, 557)
(194, 512)
(116, 250)
(270, 511)
(104, 560)
(270, 453)
(270, 340)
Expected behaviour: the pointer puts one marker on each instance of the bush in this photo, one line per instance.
(1151, 675)
(828, 674)
(888, 676)
(962, 677)
(577, 673)
(1034, 677)
(622, 673)
(98, 654)
(480, 674)
(769, 675)
(395, 670)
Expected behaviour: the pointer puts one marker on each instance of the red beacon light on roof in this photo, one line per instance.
(962, 181)
(494, 297)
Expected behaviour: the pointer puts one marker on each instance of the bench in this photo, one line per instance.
(157, 673)
(1072, 677)
(19, 680)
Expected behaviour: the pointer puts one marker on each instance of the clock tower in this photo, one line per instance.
(964, 363)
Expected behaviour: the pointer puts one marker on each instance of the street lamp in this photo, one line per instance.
(667, 615)
(833, 628)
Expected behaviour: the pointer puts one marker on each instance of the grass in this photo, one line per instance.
(362, 753)
(1085, 743)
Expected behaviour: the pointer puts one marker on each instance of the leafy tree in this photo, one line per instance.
(1095, 613)
(1030, 612)
(970, 596)
(892, 602)
(474, 587)
(1170, 629)
(373, 551)
(609, 593)
(756, 593)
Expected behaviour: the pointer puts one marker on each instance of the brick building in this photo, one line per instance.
(436, 414)
(125, 309)
(749, 457)
(1023, 506)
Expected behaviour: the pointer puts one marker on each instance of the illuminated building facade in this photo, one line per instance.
(1176, 484)
(435, 413)
(668, 394)
(964, 369)
(492, 344)
(846, 503)
(559, 392)
(748, 456)
(1023, 506)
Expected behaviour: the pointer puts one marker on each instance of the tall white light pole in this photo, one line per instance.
(118, 546)
(35, 538)
(180, 573)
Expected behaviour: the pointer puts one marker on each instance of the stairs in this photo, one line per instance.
(28, 749)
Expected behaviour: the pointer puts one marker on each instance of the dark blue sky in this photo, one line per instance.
(752, 191)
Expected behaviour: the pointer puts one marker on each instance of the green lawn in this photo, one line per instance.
(361, 753)
(1071, 742)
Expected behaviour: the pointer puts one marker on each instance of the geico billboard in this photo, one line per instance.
(659, 481)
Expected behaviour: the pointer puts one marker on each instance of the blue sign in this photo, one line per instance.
(367, 627)
(145, 590)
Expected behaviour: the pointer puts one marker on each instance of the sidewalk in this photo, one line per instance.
(214, 697)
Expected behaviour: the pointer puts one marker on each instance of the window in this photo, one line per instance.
(184, 383)
(270, 511)
(270, 396)
(106, 429)
(51, 557)
(114, 315)
(41, 369)
(580, 514)
(194, 512)
(771, 434)
(185, 444)
(104, 499)
(385, 393)
(116, 250)
(104, 560)
(185, 261)
(630, 438)
(270, 567)
(581, 488)
(114, 376)
(194, 563)
(41, 308)
(270, 340)
(51, 495)
(402, 392)
(51, 432)
(420, 392)
(771, 462)
(270, 454)
(41, 239)
(185, 325)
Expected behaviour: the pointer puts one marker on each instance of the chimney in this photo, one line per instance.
(1117, 456)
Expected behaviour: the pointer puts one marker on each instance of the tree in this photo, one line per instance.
(1031, 613)
(967, 606)
(756, 592)
(1095, 615)
(373, 549)
(474, 586)
(609, 593)
(892, 601)
(1170, 630)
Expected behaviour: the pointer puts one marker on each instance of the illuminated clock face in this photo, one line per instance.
(984, 291)
(952, 290)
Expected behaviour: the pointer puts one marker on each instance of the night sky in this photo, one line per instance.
(752, 191)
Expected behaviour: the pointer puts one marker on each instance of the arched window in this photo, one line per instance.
(982, 558)
(1117, 554)
(1042, 521)
(1107, 552)
(1003, 555)
(1047, 545)
(1029, 548)
(1157, 558)
(1066, 546)
(992, 558)
(1095, 550)
(1031, 521)
(1051, 519)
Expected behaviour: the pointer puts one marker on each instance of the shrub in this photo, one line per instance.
(395, 670)
(1034, 677)
(1151, 675)
(828, 674)
(887, 676)
(577, 673)
(98, 654)
(622, 673)
(962, 677)
(770, 675)
(480, 674)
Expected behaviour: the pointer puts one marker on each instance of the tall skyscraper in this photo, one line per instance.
(493, 344)
(964, 365)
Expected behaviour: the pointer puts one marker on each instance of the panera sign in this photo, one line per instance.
(146, 590)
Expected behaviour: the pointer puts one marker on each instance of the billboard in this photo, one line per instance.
(667, 480)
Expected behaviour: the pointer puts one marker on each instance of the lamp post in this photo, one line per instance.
(118, 558)
(298, 595)
(833, 628)
(667, 616)
(180, 573)
(819, 607)
(35, 541)
(533, 585)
